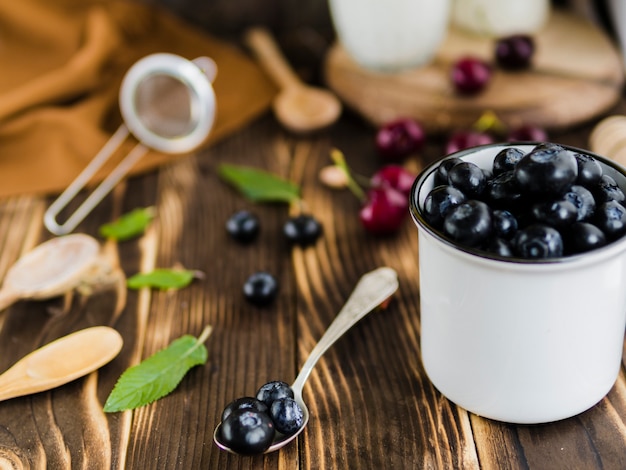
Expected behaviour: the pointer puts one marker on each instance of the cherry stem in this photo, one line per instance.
(340, 162)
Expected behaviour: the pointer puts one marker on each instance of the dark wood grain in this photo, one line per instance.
(371, 403)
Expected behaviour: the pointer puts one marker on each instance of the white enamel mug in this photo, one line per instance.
(519, 341)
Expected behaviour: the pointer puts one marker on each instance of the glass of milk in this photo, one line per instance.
(390, 35)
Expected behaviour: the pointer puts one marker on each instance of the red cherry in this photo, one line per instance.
(527, 133)
(394, 176)
(470, 75)
(515, 52)
(384, 212)
(462, 140)
(399, 138)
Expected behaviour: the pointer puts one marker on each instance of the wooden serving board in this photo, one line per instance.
(577, 74)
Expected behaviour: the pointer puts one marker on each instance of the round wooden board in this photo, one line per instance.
(577, 74)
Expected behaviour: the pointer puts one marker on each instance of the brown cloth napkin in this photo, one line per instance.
(61, 66)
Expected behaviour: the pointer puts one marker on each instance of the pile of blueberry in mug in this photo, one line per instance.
(545, 203)
(250, 424)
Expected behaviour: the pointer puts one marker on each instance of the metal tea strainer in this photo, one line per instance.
(168, 104)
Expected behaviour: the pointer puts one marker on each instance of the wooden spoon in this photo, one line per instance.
(61, 361)
(50, 269)
(299, 107)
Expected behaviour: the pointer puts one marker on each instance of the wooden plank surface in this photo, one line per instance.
(371, 404)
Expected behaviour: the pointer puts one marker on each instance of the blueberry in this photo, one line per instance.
(506, 159)
(610, 217)
(558, 213)
(244, 403)
(582, 236)
(441, 174)
(243, 226)
(584, 201)
(546, 170)
(589, 170)
(469, 223)
(260, 288)
(272, 391)
(248, 432)
(538, 242)
(503, 191)
(468, 178)
(286, 415)
(439, 202)
(500, 247)
(504, 224)
(302, 230)
(607, 190)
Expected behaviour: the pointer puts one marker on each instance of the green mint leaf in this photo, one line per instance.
(158, 375)
(258, 185)
(129, 225)
(162, 279)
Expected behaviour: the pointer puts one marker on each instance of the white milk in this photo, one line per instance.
(390, 35)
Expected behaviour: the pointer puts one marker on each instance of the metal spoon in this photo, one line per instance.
(61, 361)
(371, 290)
(299, 107)
(50, 269)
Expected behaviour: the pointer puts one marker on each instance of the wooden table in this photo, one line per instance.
(371, 403)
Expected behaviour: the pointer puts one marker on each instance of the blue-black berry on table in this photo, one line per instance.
(582, 237)
(468, 178)
(546, 170)
(260, 288)
(469, 223)
(248, 432)
(439, 202)
(302, 230)
(272, 391)
(244, 403)
(243, 226)
(286, 415)
(538, 242)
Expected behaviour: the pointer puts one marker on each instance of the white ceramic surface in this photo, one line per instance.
(515, 341)
(496, 18)
(390, 35)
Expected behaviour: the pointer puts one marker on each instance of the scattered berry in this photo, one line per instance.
(260, 289)
(303, 230)
(515, 52)
(243, 226)
(399, 138)
(527, 133)
(470, 75)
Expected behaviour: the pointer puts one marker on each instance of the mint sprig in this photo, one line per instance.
(129, 225)
(258, 185)
(158, 375)
(163, 279)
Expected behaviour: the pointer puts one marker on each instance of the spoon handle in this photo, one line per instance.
(272, 60)
(371, 290)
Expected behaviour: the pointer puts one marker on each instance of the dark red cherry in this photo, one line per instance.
(527, 133)
(384, 212)
(394, 176)
(470, 75)
(462, 140)
(399, 138)
(515, 52)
